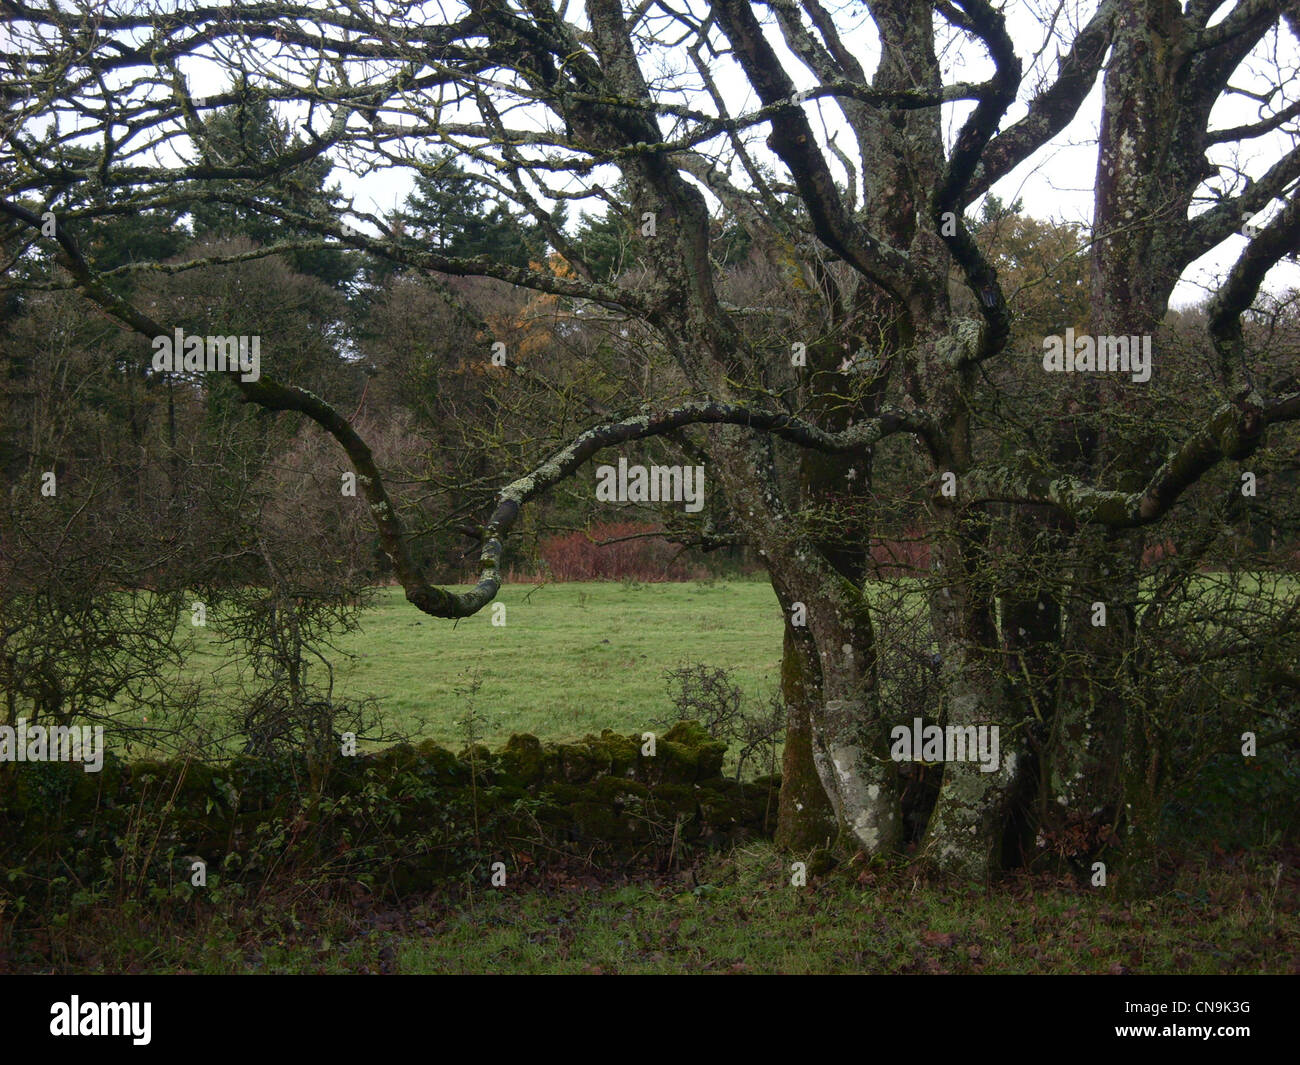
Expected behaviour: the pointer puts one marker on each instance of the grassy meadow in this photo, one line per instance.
(570, 659)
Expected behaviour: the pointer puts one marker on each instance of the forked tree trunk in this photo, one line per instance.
(846, 733)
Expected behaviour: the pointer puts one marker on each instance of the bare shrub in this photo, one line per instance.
(712, 697)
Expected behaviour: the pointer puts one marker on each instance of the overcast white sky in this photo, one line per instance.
(1056, 183)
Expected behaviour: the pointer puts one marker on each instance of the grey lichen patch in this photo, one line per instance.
(961, 344)
(970, 334)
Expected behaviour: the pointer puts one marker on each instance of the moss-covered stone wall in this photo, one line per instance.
(397, 819)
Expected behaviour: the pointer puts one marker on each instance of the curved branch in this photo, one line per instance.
(971, 143)
(1279, 238)
(1234, 431)
(439, 602)
(1254, 129)
(1221, 221)
(1052, 109)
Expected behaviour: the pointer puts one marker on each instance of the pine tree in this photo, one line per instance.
(248, 133)
(449, 212)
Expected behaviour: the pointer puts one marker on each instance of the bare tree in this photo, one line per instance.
(858, 198)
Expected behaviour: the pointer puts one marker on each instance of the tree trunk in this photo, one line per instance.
(805, 818)
(846, 732)
(965, 833)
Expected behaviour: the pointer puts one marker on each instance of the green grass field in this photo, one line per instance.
(570, 658)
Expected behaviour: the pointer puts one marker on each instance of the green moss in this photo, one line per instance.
(599, 822)
(724, 806)
(438, 762)
(595, 756)
(477, 757)
(689, 734)
(524, 759)
(686, 753)
(619, 789)
(198, 783)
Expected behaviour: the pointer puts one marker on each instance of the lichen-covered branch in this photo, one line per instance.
(1233, 432)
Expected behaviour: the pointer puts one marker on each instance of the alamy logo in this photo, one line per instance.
(658, 484)
(57, 743)
(1103, 354)
(955, 743)
(102, 1018)
(195, 354)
